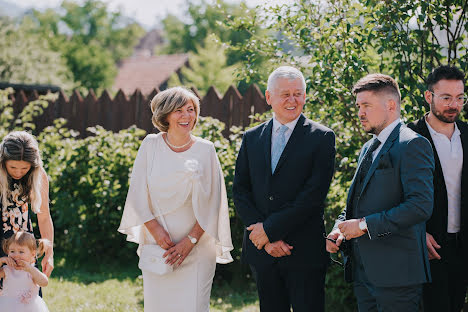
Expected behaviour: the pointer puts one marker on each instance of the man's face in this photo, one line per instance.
(287, 99)
(439, 99)
(374, 112)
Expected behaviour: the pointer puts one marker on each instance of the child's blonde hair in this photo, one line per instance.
(21, 238)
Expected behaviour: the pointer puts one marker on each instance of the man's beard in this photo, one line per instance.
(440, 114)
(376, 129)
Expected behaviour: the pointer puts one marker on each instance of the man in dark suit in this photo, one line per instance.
(283, 173)
(388, 203)
(447, 229)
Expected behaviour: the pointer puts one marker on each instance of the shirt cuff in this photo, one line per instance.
(363, 226)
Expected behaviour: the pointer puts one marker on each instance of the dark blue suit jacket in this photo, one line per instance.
(289, 202)
(396, 198)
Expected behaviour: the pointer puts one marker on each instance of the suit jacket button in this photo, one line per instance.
(270, 198)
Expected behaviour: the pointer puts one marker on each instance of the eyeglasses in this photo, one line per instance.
(447, 100)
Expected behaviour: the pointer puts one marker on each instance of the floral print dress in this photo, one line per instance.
(16, 215)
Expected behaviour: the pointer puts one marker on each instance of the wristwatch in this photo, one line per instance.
(363, 225)
(192, 239)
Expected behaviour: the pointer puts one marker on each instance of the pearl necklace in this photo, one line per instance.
(175, 146)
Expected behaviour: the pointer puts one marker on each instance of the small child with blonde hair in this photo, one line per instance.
(21, 279)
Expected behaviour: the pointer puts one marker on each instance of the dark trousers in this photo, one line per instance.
(383, 299)
(448, 288)
(280, 288)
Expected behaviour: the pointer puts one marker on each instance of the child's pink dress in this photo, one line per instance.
(19, 293)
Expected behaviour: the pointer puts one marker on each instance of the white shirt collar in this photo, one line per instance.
(290, 125)
(433, 132)
(385, 133)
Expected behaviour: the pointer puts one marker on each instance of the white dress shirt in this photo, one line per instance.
(383, 136)
(277, 125)
(450, 152)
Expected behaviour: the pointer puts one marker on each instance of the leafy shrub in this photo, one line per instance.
(89, 183)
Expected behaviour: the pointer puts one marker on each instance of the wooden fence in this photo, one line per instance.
(121, 112)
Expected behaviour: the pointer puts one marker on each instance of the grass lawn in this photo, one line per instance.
(113, 288)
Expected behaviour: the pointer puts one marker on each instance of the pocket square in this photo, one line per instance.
(385, 162)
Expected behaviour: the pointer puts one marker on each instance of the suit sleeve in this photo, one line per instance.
(416, 171)
(310, 200)
(242, 188)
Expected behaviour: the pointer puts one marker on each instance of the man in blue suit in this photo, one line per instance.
(283, 172)
(390, 199)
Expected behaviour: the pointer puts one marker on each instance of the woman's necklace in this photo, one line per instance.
(175, 146)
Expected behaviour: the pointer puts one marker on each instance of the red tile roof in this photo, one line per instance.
(146, 73)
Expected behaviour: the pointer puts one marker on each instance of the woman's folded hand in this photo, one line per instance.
(177, 254)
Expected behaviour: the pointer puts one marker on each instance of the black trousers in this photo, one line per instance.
(448, 288)
(280, 288)
(371, 298)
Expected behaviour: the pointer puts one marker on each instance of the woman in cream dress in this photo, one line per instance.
(177, 176)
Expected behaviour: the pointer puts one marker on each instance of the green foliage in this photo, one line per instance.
(90, 38)
(205, 19)
(92, 66)
(419, 36)
(89, 185)
(207, 68)
(92, 21)
(27, 58)
(335, 44)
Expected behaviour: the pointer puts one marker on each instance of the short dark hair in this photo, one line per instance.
(378, 83)
(444, 72)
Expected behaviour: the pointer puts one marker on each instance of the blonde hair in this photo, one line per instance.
(21, 146)
(21, 238)
(170, 100)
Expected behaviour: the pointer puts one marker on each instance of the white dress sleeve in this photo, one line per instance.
(137, 208)
(210, 206)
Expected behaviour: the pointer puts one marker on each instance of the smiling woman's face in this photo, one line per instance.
(17, 168)
(182, 119)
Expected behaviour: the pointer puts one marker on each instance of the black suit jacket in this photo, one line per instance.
(289, 202)
(437, 224)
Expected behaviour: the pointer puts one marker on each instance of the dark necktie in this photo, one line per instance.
(363, 170)
(367, 161)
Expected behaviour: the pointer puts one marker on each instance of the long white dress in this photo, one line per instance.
(187, 187)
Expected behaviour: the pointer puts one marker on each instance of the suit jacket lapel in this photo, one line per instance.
(424, 131)
(391, 138)
(266, 139)
(296, 135)
(353, 181)
(464, 141)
